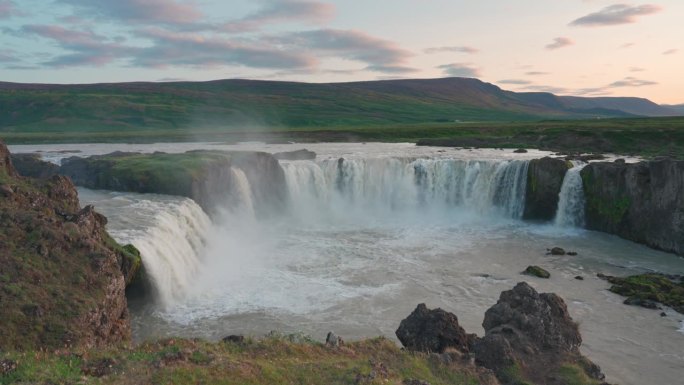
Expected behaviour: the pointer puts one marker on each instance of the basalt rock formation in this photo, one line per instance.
(62, 278)
(435, 330)
(208, 177)
(544, 182)
(642, 202)
(32, 166)
(529, 338)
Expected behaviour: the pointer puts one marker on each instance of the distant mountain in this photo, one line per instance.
(227, 104)
(678, 108)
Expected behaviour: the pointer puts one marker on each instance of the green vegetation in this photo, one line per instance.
(668, 290)
(273, 360)
(574, 375)
(536, 271)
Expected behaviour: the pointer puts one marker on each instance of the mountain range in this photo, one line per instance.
(239, 103)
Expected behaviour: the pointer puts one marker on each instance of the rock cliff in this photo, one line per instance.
(61, 279)
(642, 202)
(544, 182)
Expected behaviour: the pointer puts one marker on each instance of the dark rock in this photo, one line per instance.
(641, 202)
(579, 278)
(333, 340)
(647, 290)
(636, 301)
(6, 166)
(234, 339)
(619, 161)
(663, 314)
(586, 158)
(426, 330)
(572, 253)
(532, 333)
(536, 271)
(520, 151)
(31, 165)
(557, 251)
(303, 154)
(544, 181)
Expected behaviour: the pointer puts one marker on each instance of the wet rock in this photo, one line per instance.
(544, 181)
(303, 154)
(520, 151)
(556, 251)
(572, 253)
(579, 278)
(647, 290)
(636, 301)
(641, 202)
(427, 330)
(536, 271)
(663, 314)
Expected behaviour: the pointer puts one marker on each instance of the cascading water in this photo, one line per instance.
(486, 187)
(571, 200)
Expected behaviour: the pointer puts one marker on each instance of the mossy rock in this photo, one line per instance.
(647, 288)
(536, 271)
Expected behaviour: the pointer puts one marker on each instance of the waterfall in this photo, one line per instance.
(171, 247)
(486, 187)
(242, 193)
(571, 200)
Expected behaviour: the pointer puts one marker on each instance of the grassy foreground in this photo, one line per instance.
(272, 360)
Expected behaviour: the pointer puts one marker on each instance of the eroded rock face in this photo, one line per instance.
(302, 154)
(62, 283)
(32, 166)
(642, 202)
(426, 330)
(544, 182)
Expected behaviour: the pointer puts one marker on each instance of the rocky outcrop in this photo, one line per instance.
(536, 271)
(642, 202)
(426, 330)
(302, 154)
(208, 177)
(529, 338)
(32, 166)
(648, 290)
(61, 280)
(544, 182)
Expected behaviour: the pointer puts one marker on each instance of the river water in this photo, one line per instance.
(363, 241)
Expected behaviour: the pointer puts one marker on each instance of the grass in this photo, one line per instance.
(648, 137)
(272, 360)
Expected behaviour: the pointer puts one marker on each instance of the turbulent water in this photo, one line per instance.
(366, 239)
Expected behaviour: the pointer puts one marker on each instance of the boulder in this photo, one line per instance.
(641, 202)
(544, 181)
(537, 271)
(531, 335)
(557, 251)
(426, 330)
(302, 154)
(333, 340)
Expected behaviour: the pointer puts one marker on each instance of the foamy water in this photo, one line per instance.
(364, 242)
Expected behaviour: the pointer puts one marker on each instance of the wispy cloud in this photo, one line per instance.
(636, 69)
(536, 73)
(141, 11)
(8, 9)
(515, 81)
(282, 11)
(671, 51)
(615, 15)
(378, 54)
(632, 82)
(466, 70)
(627, 45)
(458, 49)
(559, 42)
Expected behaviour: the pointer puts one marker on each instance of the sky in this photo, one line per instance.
(568, 47)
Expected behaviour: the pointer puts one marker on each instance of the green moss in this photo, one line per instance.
(652, 287)
(537, 271)
(512, 375)
(574, 375)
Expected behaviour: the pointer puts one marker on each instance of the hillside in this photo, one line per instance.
(241, 104)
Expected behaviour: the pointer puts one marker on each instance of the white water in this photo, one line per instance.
(571, 201)
(356, 257)
(386, 185)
